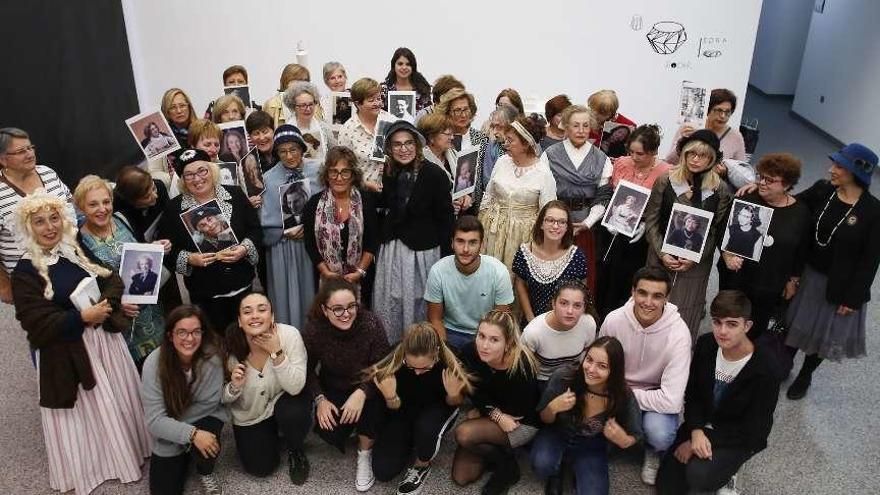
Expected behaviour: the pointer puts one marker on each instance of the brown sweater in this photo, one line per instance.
(54, 327)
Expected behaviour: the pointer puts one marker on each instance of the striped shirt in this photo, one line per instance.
(554, 349)
(12, 245)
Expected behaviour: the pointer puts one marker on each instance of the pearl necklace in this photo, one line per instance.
(828, 240)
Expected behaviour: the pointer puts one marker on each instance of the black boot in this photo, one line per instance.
(798, 388)
(297, 466)
(506, 473)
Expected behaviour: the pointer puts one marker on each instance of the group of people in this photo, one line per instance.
(390, 311)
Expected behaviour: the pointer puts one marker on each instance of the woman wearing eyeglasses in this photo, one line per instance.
(181, 390)
(340, 227)
(722, 104)
(549, 259)
(301, 98)
(421, 383)
(215, 281)
(342, 339)
(359, 132)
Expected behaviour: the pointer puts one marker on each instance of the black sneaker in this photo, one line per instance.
(298, 466)
(413, 480)
(503, 478)
(799, 386)
(553, 485)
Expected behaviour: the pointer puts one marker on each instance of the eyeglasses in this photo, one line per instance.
(201, 173)
(304, 106)
(721, 111)
(447, 133)
(338, 311)
(767, 179)
(556, 222)
(22, 151)
(697, 154)
(289, 151)
(460, 112)
(185, 334)
(406, 144)
(345, 173)
(179, 106)
(424, 368)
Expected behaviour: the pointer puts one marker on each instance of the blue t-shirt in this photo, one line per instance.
(466, 298)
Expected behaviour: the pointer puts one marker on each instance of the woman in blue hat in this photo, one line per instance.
(826, 319)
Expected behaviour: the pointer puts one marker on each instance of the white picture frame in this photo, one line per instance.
(624, 214)
(743, 241)
(141, 271)
(402, 104)
(679, 240)
(156, 144)
(467, 162)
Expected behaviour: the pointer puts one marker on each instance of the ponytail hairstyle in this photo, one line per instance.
(419, 339)
(176, 389)
(521, 358)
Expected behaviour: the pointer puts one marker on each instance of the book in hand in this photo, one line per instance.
(86, 294)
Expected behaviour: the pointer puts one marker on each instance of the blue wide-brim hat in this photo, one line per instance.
(858, 159)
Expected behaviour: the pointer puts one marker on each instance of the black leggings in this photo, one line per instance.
(168, 474)
(364, 426)
(258, 444)
(399, 433)
(221, 311)
(702, 475)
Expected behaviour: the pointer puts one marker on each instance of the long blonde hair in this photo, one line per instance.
(33, 203)
(681, 174)
(520, 357)
(420, 339)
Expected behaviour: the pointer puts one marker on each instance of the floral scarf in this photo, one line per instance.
(328, 233)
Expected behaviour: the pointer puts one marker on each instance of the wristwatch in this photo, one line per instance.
(275, 354)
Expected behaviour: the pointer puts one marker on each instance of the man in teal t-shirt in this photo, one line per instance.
(465, 286)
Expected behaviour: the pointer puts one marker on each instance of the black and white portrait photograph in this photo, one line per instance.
(341, 107)
(686, 232)
(693, 103)
(626, 208)
(614, 137)
(233, 143)
(140, 269)
(153, 134)
(465, 173)
(747, 228)
(228, 173)
(379, 141)
(402, 104)
(243, 92)
(252, 173)
(209, 227)
(294, 196)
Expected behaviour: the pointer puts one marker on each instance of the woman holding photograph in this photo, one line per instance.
(90, 410)
(216, 281)
(266, 372)
(770, 282)
(505, 397)
(234, 75)
(336, 80)
(286, 252)
(627, 254)
(744, 232)
(549, 259)
(178, 111)
(520, 186)
(693, 182)
(416, 231)
(274, 106)
(437, 130)
(460, 108)
(359, 133)
(340, 225)
(301, 98)
(181, 390)
(404, 75)
(101, 236)
(227, 108)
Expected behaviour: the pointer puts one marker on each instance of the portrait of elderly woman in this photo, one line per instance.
(143, 280)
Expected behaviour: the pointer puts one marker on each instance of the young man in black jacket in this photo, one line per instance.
(729, 402)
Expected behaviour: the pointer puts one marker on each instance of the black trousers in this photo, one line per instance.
(615, 272)
(258, 444)
(398, 434)
(168, 474)
(364, 426)
(221, 311)
(702, 475)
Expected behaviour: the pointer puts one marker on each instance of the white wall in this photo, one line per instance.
(541, 50)
(779, 47)
(841, 66)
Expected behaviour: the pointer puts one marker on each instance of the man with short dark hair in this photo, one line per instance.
(657, 348)
(729, 402)
(465, 286)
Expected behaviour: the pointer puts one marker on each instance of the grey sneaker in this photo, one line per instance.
(211, 484)
(364, 478)
(650, 467)
(412, 482)
(729, 488)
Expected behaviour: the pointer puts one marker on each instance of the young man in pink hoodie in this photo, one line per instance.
(657, 349)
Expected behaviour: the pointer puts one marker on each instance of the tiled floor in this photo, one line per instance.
(825, 444)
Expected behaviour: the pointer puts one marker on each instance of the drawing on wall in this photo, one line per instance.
(636, 22)
(693, 103)
(666, 37)
(710, 46)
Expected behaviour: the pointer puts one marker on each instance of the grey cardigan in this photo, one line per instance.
(170, 435)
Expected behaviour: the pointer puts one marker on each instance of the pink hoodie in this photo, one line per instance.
(658, 357)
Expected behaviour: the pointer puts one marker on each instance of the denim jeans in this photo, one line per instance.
(588, 457)
(456, 340)
(660, 429)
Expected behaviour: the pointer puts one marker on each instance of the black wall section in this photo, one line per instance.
(66, 79)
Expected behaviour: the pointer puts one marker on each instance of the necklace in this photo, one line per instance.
(828, 240)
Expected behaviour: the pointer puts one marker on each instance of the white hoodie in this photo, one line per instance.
(658, 357)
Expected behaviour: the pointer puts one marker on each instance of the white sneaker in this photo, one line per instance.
(650, 467)
(364, 479)
(211, 485)
(729, 488)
